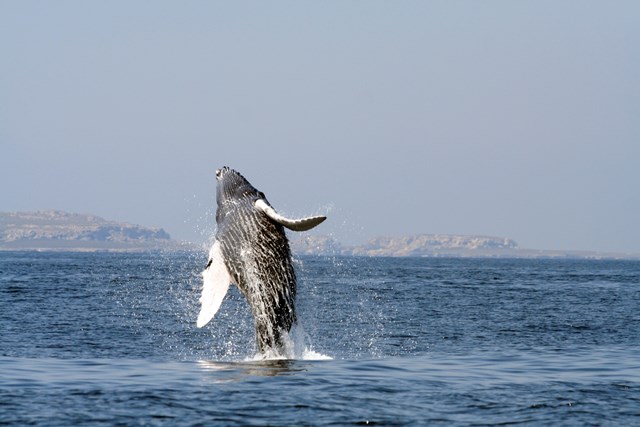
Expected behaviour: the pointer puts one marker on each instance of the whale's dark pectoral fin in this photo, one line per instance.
(302, 224)
(216, 280)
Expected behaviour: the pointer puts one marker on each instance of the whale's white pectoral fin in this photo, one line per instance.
(216, 283)
(302, 224)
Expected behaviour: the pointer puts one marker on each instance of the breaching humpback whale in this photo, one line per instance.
(251, 250)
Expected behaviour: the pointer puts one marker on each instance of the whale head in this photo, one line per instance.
(232, 186)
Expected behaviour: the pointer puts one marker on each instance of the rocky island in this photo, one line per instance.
(63, 231)
(420, 245)
(58, 230)
(439, 245)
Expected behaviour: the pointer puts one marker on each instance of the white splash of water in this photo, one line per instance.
(296, 346)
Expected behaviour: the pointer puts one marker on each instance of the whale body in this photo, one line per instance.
(251, 250)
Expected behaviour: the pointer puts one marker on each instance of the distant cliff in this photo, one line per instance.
(432, 245)
(58, 230)
(416, 245)
(62, 230)
(439, 245)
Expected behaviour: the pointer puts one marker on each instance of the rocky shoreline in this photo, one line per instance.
(440, 246)
(62, 231)
(58, 230)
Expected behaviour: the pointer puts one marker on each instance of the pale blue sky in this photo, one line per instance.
(510, 118)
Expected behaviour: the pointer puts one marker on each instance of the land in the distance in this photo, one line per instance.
(63, 231)
(441, 245)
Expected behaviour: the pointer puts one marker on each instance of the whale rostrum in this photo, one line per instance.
(251, 250)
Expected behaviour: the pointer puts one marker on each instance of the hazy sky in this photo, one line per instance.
(511, 118)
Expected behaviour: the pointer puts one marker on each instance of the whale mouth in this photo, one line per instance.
(220, 172)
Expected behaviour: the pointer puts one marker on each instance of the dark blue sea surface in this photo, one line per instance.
(107, 339)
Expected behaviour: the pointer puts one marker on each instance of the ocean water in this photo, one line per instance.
(110, 339)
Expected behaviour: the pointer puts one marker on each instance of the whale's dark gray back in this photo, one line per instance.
(257, 255)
